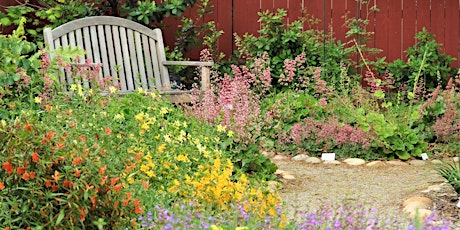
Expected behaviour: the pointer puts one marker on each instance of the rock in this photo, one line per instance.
(413, 206)
(273, 186)
(417, 162)
(354, 161)
(334, 162)
(300, 157)
(456, 159)
(289, 177)
(376, 164)
(424, 200)
(268, 154)
(436, 161)
(396, 163)
(313, 160)
(436, 187)
(280, 172)
(421, 213)
(280, 158)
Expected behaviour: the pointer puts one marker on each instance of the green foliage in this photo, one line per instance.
(451, 172)
(283, 41)
(49, 13)
(436, 67)
(147, 12)
(19, 80)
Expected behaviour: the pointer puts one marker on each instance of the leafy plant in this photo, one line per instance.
(46, 13)
(451, 172)
(282, 42)
(436, 69)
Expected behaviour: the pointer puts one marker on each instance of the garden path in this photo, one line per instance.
(385, 187)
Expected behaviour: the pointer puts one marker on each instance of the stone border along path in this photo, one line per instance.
(415, 205)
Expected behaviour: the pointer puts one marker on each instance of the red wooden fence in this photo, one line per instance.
(394, 26)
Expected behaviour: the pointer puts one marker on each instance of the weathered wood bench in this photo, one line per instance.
(128, 51)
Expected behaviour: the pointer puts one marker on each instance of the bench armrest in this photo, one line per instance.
(205, 71)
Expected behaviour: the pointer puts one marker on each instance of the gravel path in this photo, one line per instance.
(384, 188)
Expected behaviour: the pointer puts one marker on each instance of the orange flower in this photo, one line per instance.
(102, 170)
(113, 181)
(35, 157)
(82, 138)
(145, 185)
(28, 127)
(48, 183)
(32, 175)
(136, 202)
(108, 131)
(138, 210)
(20, 170)
(77, 173)
(117, 188)
(8, 167)
(26, 176)
(125, 203)
(56, 176)
(44, 141)
(2, 186)
(49, 135)
(103, 180)
(54, 188)
(129, 195)
(48, 107)
(77, 160)
(60, 145)
(69, 112)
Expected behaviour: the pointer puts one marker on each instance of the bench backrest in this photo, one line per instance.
(130, 52)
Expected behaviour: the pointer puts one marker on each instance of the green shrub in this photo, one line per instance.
(436, 69)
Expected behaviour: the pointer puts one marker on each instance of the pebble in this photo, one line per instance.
(354, 161)
(376, 164)
(300, 157)
(421, 213)
(417, 162)
(313, 160)
(396, 163)
(289, 177)
(280, 158)
(273, 186)
(334, 162)
(421, 199)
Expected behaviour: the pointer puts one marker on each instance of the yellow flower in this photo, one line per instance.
(182, 157)
(144, 168)
(150, 173)
(241, 228)
(163, 111)
(130, 180)
(112, 89)
(221, 128)
(161, 148)
(119, 116)
(73, 87)
(230, 133)
(214, 227)
(38, 100)
(3, 122)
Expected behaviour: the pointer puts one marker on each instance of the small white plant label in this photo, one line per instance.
(424, 156)
(328, 156)
(458, 204)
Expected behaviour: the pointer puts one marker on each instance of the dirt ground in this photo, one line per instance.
(384, 188)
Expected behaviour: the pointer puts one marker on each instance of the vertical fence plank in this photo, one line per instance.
(437, 20)
(295, 10)
(451, 29)
(394, 30)
(224, 23)
(382, 35)
(245, 17)
(423, 15)
(409, 20)
(314, 8)
(338, 21)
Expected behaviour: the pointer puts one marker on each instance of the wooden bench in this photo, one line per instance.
(128, 51)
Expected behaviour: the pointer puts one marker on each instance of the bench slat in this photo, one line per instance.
(126, 59)
(148, 59)
(120, 68)
(133, 57)
(140, 60)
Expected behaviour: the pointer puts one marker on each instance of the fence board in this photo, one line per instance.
(224, 23)
(314, 8)
(394, 30)
(382, 37)
(409, 20)
(245, 17)
(438, 20)
(337, 22)
(452, 29)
